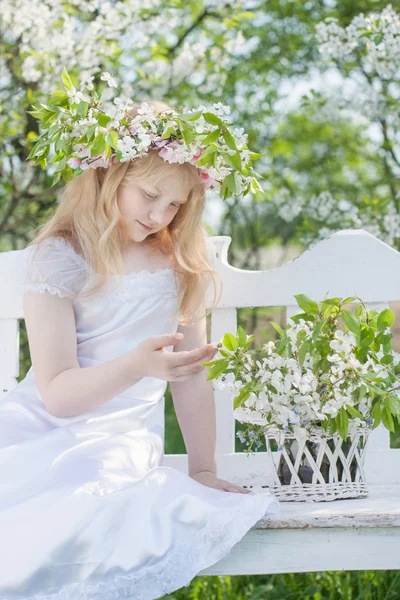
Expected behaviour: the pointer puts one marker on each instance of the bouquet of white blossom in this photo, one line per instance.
(317, 378)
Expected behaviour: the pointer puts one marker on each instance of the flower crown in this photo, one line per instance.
(86, 136)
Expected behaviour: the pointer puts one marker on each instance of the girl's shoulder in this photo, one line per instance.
(56, 247)
(54, 265)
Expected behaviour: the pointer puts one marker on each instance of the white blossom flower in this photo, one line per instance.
(221, 109)
(111, 81)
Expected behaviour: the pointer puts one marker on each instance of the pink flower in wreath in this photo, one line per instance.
(207, 180)
(74, 162)
(160, 143)
(197, 156)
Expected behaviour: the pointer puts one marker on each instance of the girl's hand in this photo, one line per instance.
(210, 479)
(153, 360)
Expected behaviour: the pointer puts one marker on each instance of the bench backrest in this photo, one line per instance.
(348, 263)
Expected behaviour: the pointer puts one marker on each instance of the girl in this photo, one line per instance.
(87, 509)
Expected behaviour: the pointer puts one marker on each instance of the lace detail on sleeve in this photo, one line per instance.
(54, 266)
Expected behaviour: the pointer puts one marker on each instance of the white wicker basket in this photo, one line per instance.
(320, 468)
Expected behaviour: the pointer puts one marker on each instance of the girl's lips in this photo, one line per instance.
(145, 227)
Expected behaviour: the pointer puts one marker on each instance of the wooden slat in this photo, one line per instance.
(311, 550)
(348, 262)
(223, 320)
(9, 354)
(321, 536)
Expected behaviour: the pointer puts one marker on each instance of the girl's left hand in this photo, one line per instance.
(211, 480)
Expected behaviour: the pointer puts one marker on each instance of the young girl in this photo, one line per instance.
(87, 509)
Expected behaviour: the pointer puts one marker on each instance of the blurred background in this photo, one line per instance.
(316, 85)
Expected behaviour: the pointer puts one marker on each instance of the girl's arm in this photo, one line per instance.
(68, 389)
(195, 409)
(194, 404)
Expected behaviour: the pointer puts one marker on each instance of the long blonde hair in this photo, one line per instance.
(89, 218)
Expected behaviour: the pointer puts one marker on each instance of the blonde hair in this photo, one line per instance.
(89, 218)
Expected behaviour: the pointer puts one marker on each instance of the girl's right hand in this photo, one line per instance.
(156, 361)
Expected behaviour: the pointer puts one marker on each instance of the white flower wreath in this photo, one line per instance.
(86, 136)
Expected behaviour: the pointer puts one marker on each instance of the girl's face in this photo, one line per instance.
(152, 204)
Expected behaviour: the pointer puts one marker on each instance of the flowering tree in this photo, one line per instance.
(366, 54)
(39, 38)
(321, 170)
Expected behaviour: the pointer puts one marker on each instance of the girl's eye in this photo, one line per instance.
(153, 197)
(148, 195)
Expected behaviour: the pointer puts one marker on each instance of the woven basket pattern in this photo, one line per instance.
(321, 468)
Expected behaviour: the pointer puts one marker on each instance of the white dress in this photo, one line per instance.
(87, 509)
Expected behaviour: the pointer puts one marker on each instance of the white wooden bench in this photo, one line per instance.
(353, 534)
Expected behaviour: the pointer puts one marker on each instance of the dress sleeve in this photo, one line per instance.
(53, 266)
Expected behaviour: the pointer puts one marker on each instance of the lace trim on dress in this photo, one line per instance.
(142, 274)
(45, 287)
(208, 546)
(60, 268)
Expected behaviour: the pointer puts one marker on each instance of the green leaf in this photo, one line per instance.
(231, 183)
(168, 129)
(234, 161)
(112, 139)
(349, 300)
(211, 137)
(229, 140)
(230, 341)
(56, 179)
(82, 109)
(66, 80)
(376, 414)
(385, 319)
(219, 368)
(186, 134)
(241, 335)
(90, 132)
(306, 304)
(342, 422)
(194, 116)
(387, 359)
(224, 353)
(277, 327)
(351, 322)
(304, 348)
(211, 118)
(374, 388)
(58, 98)
(249, 342)
(363, 391)
(205, 157)
(393, 403)
(387, 419)
(243, 395)
(353, 411)
(103, 119)
(61, 164)
(98, 146)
